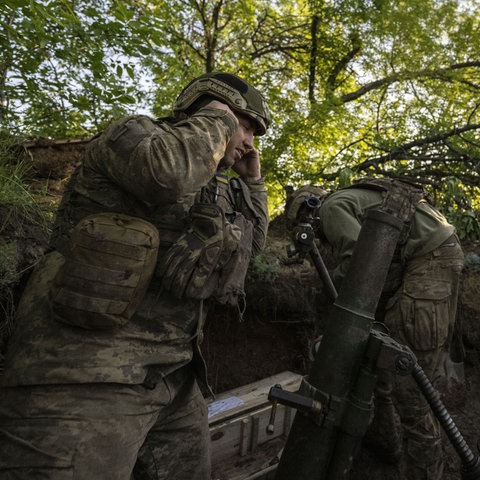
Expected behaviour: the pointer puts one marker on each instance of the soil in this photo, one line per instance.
(286, 310)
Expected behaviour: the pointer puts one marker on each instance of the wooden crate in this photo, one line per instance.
(241, 447)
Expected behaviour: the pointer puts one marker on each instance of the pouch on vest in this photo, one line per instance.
(188, 264)
(106, 272)
(231, 277)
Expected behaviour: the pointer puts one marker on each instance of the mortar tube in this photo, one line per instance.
(310, 446)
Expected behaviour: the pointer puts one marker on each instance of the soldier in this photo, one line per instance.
(418, 306)
(100, 371)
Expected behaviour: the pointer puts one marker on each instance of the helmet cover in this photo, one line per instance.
(239, 95)
(298, 203)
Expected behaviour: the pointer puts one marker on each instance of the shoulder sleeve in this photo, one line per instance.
(341, 227)
(253, 203)
(161, 162)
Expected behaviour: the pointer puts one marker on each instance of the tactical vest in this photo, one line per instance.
(400, 198)
(170, 220)
(232, 196)
(226, 277)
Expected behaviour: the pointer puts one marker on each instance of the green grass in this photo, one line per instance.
(17, 203)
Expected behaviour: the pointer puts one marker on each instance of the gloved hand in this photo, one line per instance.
(296, 206)
(190, 262)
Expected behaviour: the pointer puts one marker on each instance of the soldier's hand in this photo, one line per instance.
(219, 105)
(248, 167)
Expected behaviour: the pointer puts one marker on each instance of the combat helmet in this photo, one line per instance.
(239, 95)
(305, 200)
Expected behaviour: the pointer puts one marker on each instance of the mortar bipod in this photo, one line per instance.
(303, 245)
(470, 461)
(399, 359)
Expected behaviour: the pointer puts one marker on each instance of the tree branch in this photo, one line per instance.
(405, 76)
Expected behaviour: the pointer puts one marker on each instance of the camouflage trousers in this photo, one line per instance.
(421, 315)
(105, 431)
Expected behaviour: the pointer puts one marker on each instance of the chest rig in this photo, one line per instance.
(400, 198)
(211, 256)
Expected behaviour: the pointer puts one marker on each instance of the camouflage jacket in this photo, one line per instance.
(342, 214)
(150, 169)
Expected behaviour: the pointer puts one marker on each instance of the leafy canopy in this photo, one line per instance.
(362, 87)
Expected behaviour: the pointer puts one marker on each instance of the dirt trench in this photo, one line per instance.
(286, 310)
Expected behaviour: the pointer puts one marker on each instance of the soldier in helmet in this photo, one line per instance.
(100, 378)
(418, 307)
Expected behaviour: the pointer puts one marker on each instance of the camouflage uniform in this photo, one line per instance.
(94, 403)
(418, 306)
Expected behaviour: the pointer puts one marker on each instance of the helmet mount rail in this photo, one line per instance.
(239, 95)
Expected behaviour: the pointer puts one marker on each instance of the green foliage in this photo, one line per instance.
(472, 261)
(16, 203)
(460, 211)
(355, 87)
(16, 206)
(265, 269)
(466, 222)
(67, 68)
(13, 168)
